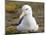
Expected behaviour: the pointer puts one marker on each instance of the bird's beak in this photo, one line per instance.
(23, 14)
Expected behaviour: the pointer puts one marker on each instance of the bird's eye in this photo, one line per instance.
(26, 9)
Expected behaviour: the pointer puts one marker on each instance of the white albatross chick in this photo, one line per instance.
(28, 23)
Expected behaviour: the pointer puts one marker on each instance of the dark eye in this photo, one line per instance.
(26, 9)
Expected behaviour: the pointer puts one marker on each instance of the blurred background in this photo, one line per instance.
(13, 11)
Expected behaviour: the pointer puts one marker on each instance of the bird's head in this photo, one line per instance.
(26, 9)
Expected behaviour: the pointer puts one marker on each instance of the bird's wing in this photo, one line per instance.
(23, 26)
(33, 23)
(21, 20)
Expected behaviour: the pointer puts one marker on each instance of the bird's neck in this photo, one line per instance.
(30, 14)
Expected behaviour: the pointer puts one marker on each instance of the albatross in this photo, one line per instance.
(28, 23)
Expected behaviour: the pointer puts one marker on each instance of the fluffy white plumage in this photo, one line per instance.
(28, 23)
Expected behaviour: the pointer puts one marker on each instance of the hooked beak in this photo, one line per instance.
(23, 14)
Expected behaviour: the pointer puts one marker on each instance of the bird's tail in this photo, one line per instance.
(37, 27)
